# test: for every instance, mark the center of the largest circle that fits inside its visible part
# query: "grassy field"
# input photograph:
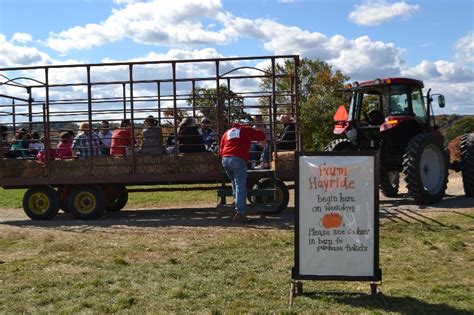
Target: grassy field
(12, 199)
(427, 268)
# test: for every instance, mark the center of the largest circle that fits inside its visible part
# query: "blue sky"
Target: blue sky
(429, 40)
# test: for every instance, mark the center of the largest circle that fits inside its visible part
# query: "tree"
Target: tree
(460, 127)
(319, 98)
(205, 100)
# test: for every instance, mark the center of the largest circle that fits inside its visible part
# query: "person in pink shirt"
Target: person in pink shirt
(64, 148)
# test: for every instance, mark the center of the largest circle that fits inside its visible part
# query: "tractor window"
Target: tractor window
(418, 105)
(370, 102)
(399, 103)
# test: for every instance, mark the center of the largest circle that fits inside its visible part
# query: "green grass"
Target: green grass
(12, 198)
(427, 268)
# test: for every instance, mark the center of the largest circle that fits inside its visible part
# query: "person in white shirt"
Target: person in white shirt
(105, 136)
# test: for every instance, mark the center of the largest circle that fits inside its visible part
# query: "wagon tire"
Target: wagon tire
(425, 165)
(282, 194)
(467, 163)
(116, 198)
(87, 202)
(41, 203)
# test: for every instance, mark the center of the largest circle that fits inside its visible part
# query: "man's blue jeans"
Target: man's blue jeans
(236, 169)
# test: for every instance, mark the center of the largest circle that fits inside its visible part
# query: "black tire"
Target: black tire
(116, 197)
(281, 193)
(467, 163)
(425, 166)
(87, 202)
(41, 203)
(340, 145)
(389, 183)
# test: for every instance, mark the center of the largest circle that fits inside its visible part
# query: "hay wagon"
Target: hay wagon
(54, 99)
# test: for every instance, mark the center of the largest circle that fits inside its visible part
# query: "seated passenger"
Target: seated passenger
(16, 149)
(41, 156)
(35, 145)
(152, 137)
(105, 136)
(208, 136)
(121, 138)
(64, 148)
(189, 138)
(80, 145)
(287, 138)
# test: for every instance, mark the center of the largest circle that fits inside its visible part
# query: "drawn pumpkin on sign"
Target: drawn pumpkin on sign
(331, 220)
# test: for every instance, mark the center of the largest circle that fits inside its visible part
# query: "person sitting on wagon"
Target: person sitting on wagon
(208, 135)
(35, 144)
(41, 156)
(19, 145)
(189, 138)
(80, 145)
(64, 148)
(152, 137)
(122, 138)
(105, 136)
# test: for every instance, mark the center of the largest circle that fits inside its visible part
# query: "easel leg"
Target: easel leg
(296, 288)
(375, 290)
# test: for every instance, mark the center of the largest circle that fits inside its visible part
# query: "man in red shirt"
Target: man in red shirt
(121, 138)
(234, 149)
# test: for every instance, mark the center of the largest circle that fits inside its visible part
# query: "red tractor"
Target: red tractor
(392, 116)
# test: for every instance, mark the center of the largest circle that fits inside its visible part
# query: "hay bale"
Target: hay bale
(19, 168)
(284, 162)
(154, 164)
(198, 163)
(69, 168)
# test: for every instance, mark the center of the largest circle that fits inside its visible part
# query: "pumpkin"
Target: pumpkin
(332, 220)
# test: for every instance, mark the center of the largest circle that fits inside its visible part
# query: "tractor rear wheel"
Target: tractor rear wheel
(425, 166)
(467, 163)
(389, 182)
(340, 145)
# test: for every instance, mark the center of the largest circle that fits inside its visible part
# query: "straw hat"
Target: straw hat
(84, 126)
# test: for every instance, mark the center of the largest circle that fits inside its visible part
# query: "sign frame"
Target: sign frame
(376, 271)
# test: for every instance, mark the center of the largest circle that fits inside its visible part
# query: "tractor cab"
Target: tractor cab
(389, 110)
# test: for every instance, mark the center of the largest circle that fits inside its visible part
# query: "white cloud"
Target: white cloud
(464, 49)
(22, 38)
(159, 22)
(12, 55)
(372, 13)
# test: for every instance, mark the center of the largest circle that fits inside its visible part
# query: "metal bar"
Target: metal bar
(132, 116)
(158, 93)
(124, 93)
(147, 62)
(89, 119)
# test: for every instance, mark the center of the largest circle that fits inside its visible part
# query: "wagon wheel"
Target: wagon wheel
(116, 197)
(41, 203)
(87, 202)
(282, 194)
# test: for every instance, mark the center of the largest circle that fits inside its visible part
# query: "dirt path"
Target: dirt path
(210, 218)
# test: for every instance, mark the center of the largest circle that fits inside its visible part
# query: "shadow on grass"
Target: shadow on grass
(156, 218)
(398, 304)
